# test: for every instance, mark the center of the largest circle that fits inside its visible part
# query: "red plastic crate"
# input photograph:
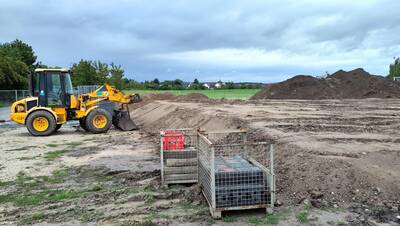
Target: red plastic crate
(174, 140)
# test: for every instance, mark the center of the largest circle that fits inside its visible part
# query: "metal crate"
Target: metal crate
(179, 166)
(235, 174)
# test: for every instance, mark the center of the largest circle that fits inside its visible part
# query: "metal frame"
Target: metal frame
(218, 143)
(183, 170)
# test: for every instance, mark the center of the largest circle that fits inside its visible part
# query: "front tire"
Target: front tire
(41, 123)
(98, 121)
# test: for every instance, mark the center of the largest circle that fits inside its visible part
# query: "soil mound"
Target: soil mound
(192, 97)
(161, 96)
(355, 84)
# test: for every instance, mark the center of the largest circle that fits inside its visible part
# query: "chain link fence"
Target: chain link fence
(7, 97)
(79, 90)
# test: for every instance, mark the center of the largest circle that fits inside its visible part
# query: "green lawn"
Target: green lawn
(243, 94)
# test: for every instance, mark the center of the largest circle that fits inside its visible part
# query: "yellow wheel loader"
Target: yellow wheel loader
(52, 103)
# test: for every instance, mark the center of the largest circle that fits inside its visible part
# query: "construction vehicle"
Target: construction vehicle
(52, 103)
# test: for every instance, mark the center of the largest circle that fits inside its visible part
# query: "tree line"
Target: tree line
(18, 60)
(394, 69)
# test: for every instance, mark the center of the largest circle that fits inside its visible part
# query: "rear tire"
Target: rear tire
(58, 127)
(82, 123)
(41, 123)
(98, 121)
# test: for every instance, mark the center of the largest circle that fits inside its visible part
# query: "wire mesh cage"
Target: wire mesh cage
(178, 156)
(235, 174)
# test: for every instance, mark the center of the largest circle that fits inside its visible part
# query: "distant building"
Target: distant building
(219, 84)
(396, 79)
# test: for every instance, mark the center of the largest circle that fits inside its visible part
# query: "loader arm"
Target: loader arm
(108, 92)
(121, 117)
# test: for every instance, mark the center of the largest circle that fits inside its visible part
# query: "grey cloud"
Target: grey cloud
(131, 33)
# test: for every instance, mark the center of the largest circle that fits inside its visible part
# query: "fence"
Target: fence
(235, 174)
(178, 166)
(9, 96)
(79, 90)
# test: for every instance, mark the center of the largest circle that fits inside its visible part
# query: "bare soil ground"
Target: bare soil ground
(340, 153)
(337, 164)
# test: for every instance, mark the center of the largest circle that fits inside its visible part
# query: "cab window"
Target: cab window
(54, 89)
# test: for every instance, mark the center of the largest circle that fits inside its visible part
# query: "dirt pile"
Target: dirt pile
(355, 84)
(192, 97)
(161, 96)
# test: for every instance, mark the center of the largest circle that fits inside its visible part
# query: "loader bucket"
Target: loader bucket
(123, 121)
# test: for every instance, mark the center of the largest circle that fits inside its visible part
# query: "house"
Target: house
(396, 79)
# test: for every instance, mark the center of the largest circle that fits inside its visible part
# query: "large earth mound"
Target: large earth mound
(355, 84)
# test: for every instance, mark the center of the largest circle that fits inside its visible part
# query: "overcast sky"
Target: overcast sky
(262, 41)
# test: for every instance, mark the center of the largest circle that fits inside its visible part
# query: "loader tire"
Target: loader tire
(82, 123)
(58, 127)
(98, 121)
(41, 123)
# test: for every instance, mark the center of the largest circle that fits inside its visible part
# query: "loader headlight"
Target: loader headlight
(20, 108)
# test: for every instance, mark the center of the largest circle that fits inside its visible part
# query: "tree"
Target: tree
(196, 85)
(229, 85)
(394, 69)
(16, 61)
(13, 74)
(84, 73)
(19, 51)
(116, 76)
(177, 84)
(102, 72)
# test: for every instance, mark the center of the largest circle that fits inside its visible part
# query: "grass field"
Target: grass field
(243, 94)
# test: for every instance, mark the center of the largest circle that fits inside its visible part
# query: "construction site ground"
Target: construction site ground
(337, 163)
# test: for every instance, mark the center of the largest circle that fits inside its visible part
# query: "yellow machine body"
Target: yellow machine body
(40, 117)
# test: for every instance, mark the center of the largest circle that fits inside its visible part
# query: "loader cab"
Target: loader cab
(53, 87)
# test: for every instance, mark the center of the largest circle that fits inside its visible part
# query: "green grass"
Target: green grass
(243, 94)
(341, 223)
(185, 205)
(58, 176)
(302, 217)
(52, 145)
(38, 198)
(272, 219)
(38, 216)
(74, 144)
(54, 154)
(230, 219)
